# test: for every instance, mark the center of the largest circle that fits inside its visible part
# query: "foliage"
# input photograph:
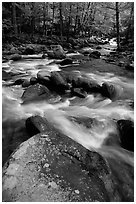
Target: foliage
(77, 18)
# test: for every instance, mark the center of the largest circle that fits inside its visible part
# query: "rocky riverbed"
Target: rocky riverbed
(68, 129)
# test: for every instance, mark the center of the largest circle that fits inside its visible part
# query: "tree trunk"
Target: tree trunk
(44, 18)
(117, 25)
(33, 19)
(61, 20)
(14, 19)
(69, 20)
(76, 19)
(53, 9)
(129, 23)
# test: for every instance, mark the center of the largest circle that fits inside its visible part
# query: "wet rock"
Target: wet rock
(19, 81)
(73, 174)
(79, 92)
(15, 57)
(58, 82)
(50, 54)
(66, 61)
(95, 54)
(33, 80)
(98, 47)
(35, 125)
(26, 83)
(29, 51)
(43, 77)
(126, 129)
(35, 92)
(86, 84)
(56, 52)
(110, 91)
(129, 67)
(6, 75)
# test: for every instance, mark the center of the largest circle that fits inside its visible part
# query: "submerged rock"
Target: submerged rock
(126, 129)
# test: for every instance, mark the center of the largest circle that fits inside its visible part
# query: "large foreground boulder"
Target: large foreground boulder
(52, 167)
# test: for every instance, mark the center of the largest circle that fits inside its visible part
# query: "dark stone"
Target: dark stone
(108, 90)
(33, 80)
(26, 83)
(35, 92)
(98, 47)
(51, 54)
(43, 77)
(29, 51)
(15, 57)
(95, 54)
(19, 81)
(96, 178)
(87, 85)
(126, 129)
(66, 61)
(6, 75)
(35, 125)
(79, 92)
(58, 82)
(129, 67)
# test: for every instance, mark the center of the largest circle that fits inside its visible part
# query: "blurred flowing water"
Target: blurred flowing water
(104, 112)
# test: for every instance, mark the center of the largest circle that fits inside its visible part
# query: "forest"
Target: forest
(67, 101)
(35, 21)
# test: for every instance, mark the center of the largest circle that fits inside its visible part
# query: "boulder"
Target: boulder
(15, 57)
(58, 52)
(129, 67)
(29, 51)
(126, 130)
(51, 54)
(95, 54)
(43, 77)
(86, 84)
(111, 91)
(79, 92)
(19, 81)
(35, 125)
(26, 83)
(98, 48)
(66, 61)
(51, 167)
(33, 80)
(35, 92)
(58, 82)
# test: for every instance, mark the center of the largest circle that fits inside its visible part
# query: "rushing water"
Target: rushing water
(103, 111)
